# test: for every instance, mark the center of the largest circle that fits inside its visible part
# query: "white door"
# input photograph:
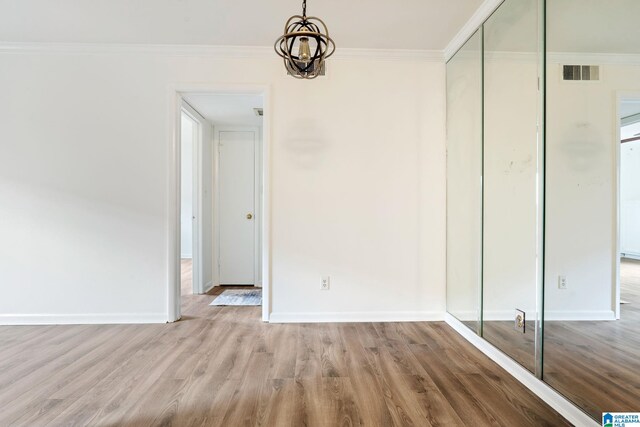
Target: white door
(237, 207)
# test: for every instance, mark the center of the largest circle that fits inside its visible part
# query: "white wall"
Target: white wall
(188, 130)
(84, 221)
(581, 178)
(511, 165)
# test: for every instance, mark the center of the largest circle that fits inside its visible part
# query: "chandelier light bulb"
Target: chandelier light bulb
(304, 53)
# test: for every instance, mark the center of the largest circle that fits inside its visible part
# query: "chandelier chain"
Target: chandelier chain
(304, 8)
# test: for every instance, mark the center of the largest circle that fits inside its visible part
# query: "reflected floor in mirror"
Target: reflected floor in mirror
(473, 325)
(596, 364)
(519, 346)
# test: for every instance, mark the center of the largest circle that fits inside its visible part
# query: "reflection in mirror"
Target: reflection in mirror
(511, 162)
(464, 172)
(592, 272)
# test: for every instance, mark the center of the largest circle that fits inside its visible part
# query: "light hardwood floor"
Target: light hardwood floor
(222, 366)
(597, 364)
(186, 271)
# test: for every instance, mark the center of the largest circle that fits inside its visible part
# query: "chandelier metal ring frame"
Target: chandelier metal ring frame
(300, 29)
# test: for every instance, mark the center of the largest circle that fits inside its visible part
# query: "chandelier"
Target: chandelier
(305, 45)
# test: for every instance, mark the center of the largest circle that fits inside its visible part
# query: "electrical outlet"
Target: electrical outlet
(520, 321)
(324, 284)
(562, 282)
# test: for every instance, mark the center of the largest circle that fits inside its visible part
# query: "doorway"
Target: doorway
(196, 213)
(629, 208)
(189, 139)
(229, 182)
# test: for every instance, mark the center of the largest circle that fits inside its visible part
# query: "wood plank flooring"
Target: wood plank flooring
(222, 366)
(186, 275)
(520, 347)
(597, 364)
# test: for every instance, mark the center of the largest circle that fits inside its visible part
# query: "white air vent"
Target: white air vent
(580, 72)
(259, 111)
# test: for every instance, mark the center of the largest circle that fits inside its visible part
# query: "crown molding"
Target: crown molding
(390, 54)
(135, 49)
(565, 58)
(578, 58)
(524, 57)
(265, 52)
(471, 26)
(222, 52)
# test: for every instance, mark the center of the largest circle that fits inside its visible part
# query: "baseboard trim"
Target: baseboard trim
(551, 316)
(208, 287)
(81, 319)
(554, 399)
(556, 316)
(373, 316)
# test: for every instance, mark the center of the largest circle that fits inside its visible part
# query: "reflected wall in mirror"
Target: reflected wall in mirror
(592, 272)
(464, 173)
(511, 164)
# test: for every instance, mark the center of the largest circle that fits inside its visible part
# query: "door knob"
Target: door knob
(249, 216)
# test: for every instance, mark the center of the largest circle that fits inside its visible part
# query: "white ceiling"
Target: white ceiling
(227, 110)
(600, 27)
(382, 24)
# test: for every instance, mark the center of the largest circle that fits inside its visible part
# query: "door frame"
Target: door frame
(196, 237)
(257, 202)
(621, 96)
(174, 109)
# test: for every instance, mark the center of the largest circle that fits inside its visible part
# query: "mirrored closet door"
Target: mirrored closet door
(493, 178)
(543, 194)
(511, 165)
(592, 239)
(464, 182)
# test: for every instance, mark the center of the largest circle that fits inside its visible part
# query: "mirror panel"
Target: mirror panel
(511, 165)
(592, 272)
(464, 180)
